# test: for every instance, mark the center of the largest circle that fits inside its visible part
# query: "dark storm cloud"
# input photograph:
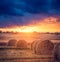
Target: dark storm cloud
(8, 7)
(13, 11)
(19, 7)
(44, 6)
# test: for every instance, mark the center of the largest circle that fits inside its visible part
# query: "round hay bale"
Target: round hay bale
(22, 44)
(12, 42)
(57, 53)
(44, 47)
(33, 45)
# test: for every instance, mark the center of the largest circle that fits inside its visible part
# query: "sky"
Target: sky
(29, 12)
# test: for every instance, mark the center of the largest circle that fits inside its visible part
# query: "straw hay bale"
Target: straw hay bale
(22, 44)
(12, 42)
(44, 47)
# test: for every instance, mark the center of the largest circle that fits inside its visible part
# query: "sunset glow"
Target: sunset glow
(47, 25)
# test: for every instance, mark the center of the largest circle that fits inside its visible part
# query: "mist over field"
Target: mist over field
(29, 37)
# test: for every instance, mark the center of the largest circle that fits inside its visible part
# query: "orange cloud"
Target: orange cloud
(50, 24)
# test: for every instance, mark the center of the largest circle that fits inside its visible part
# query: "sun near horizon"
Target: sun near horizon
(46, 25)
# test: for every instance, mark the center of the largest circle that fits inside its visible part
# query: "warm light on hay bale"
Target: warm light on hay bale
(22, 44)
(12, 42)
(44, 47)
(33, 45)
(57, 53)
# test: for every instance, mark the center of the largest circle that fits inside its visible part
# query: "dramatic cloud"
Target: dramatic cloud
(19, 7)
(13, 12)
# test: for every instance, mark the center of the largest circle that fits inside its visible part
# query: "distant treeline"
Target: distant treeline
(57, 33)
